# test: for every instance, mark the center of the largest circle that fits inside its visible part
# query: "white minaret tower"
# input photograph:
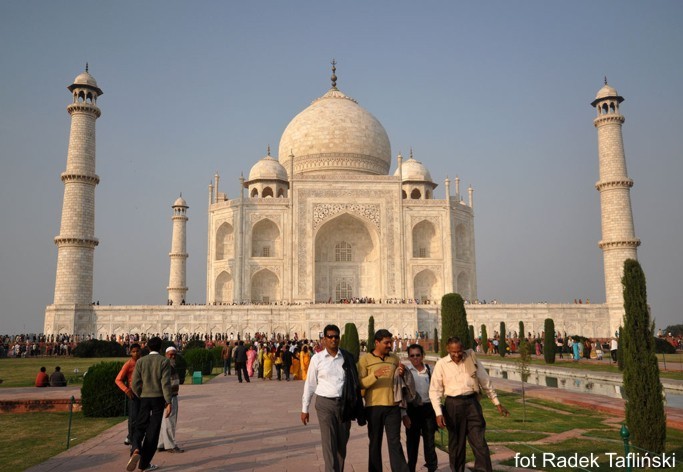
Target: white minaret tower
(619, 241)
(76, 241)
(177, 287)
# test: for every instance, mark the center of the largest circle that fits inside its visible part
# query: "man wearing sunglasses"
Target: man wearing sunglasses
(459, 376)
(333, 378)
(420, 419)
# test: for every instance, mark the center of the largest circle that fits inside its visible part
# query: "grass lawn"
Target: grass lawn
(22, 372)
(605, 366)
(544, 419)
(31, 438)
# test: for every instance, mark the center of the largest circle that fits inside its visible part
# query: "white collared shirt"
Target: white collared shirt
(325, 377)
(421, 381)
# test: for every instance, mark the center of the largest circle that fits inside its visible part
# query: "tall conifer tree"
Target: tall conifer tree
(549, 341)
(454, 321)
(484, 339)
(644, 402)
(502, 342)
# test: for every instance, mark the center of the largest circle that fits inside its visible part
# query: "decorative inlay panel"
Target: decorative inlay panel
(324, 211)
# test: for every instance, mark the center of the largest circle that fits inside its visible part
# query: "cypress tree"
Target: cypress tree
(644, 402)
(473, 339)
(453, 321)
(352, 342)
(502, 343)
(620, 351)
(549, 341)
(484, 339)
(371, 333)
(436, 341)
(521, 330)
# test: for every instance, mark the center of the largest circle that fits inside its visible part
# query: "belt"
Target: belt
(463, 397)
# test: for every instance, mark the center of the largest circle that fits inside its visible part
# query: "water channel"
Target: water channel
(588, 385)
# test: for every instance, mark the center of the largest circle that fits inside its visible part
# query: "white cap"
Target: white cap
(171, 349)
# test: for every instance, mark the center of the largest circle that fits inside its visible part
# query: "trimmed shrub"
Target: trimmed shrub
(484, 339)
(473, 339)
(352, 341)
(436, 341)
(502, 343)
(181, 367)
(453, 321)
(645, 415)
(217, 352)
(522, 334)
(549, 347)
(371, 332)
(199, 359)
(662, 346)
(100, 397)
(97, 348)
(194, 344)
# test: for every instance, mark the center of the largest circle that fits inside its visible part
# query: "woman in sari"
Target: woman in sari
(251, 357)
(305, 359)
(268, 358)
(295, 370)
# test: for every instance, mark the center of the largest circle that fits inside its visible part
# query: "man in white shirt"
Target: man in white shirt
(420, 418)
(326, 379)
(459, 377)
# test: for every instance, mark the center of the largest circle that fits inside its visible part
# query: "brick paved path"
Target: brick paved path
(227, 426)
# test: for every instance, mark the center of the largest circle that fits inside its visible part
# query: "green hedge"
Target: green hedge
(97, 348)
(194, 344)
(199, 359)
(100, 397)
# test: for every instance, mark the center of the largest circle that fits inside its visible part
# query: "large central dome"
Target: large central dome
(335, 135)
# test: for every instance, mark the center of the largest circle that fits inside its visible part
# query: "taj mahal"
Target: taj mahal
(325, 233)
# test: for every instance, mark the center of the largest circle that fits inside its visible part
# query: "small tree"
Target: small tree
(522, 335)
(549, 341)
(645, 415)
(454, 321)
(473, 339)
(620, 351)
(352, 341)
(436, 341)
(371, 332)
(523, 364)
(484, 339)
(502, 343)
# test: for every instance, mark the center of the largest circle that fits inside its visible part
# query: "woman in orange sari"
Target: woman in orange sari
(305, 359)
(295, 370)
(268, 358)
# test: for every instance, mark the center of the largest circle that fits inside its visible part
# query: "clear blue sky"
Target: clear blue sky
(497, 93)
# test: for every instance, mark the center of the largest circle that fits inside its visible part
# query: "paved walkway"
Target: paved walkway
(227, 426)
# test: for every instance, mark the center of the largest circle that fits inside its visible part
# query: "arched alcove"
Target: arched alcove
(224, 242)
(223, 288)
(425, 242)
(265, 239)
(265, 287)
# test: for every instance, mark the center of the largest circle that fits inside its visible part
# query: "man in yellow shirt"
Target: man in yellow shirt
(458, 377)
(376, 371)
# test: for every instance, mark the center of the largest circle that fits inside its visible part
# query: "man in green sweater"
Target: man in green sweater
(152, 384)
(376, 371)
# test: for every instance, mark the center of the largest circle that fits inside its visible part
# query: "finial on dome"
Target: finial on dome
(605, 80)
(268, 150)
(86, 67)
(334, 76)
(411, 152)
(181, 194)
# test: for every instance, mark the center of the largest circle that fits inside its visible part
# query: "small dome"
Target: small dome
(180, 202)
(606, 91)
(412, 170)
(85, 79)
(268, 168)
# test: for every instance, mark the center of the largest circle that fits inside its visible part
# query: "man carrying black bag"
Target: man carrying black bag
(332, 376)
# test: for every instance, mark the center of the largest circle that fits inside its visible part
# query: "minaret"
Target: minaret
(76, 241)
(177, 281)
(619, 241)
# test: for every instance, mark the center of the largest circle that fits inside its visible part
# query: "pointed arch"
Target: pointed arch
(415, 194)
(424, 285)
(223, 288)
(463, 285)
(265, 239)
(224, 241)
(425, 241)
(267, 192)
(265, 287)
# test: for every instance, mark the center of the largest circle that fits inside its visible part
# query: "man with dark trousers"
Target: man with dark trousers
(241, 362)
(459, 376)
(152, 384)
(420, 419)
(376, 372)
(287, 358)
